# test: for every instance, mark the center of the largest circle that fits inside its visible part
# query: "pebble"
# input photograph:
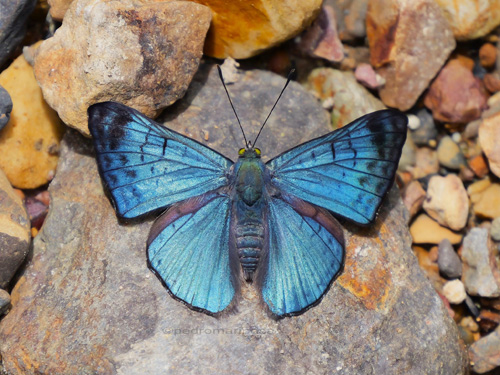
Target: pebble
(13, 18)
(492, 81)
(426, 162)
(426, 132)
(479, 166)
(37, 211)
(58, 8)
(428, 263)
(449, 154)
(455, 95)
(408, 156)
(29, 144)
(487, 55)
(407, 49)
(242, 29)
(85, 62)
(484, 354)
(366, 75)
(454, 291)
(413, 122)
(471, 19)
(351, 99)
(449, 262)
(14, 231)
(479, 272)
(489, 139)
(425, 230)
(413, 197)
(4, 301)
(350, 17)
(495, 229)
(485, 202)
(321, 38)
(5, 107)
(447, 201)
(471, 130)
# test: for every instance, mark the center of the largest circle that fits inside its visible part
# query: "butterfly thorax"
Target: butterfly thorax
(248, 208)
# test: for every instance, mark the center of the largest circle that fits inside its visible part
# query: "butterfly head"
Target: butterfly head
(249, 153)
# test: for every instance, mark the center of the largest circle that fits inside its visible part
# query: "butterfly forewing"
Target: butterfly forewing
(348, 171)
(147, 166)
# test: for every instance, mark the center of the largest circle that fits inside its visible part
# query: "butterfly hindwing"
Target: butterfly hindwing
(147, 166)
(347, 171)
(188, 248)
(305, 252)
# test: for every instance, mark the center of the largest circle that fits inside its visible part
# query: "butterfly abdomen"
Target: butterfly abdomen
(249, 243)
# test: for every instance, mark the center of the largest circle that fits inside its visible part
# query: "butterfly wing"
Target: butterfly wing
(305, 252)
(188, 249)
(347, 171)
(147, 166)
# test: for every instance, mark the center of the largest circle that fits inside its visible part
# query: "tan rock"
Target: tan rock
(58, 8)
(142, 55)
(489, 139)
(14, 231)
(449, 154)
(351, 100)
(447, 201)
(471, 19)
(455, 95)
(486, 203)
(409, 42)
(29, 143)
(413, 197)
(454, 291)
(427, 162)
(242, 29)
(425, 230)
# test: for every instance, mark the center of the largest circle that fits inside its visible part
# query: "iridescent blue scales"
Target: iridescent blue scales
(226, 223)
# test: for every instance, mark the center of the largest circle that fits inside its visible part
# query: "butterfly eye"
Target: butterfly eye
(241, 151)
(257, 151)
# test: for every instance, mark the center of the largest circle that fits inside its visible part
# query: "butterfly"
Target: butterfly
(229, 222)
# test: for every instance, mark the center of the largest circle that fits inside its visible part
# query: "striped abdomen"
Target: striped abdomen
(249, 242)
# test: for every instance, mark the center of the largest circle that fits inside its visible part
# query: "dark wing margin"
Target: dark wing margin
(347, 171)
(147, 166)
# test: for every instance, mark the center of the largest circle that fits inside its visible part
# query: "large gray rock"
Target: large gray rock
(13, 17)
(87, 303)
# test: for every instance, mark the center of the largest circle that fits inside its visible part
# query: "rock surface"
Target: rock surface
(58, 8)
(455, 95)
(449, 154)
(409, 42)
(350, 99)
(447, 201)
(471, 19)
(4, 301)
(484, 354)
(100, 310)
(14, 231)
(29, 143)
(495, 229)
(13, 17)
(85, 62)
(350, 15)
(5, 107)
(489, 138)
(242, 29)
(480, 275)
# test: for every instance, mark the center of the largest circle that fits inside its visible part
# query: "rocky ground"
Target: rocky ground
(76, 296)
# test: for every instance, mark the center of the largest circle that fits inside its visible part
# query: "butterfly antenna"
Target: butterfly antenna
(290, 75)
(232, 106)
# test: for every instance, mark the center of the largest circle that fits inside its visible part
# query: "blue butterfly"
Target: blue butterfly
(269, 223)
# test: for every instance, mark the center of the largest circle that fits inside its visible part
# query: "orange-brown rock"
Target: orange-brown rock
(455, 96)
(58, 8)
(409, 42)
(242, 29)
(134, 52)
(488, 55)
(425, 230)
(29, 143)
(471, 19)
(479, 166)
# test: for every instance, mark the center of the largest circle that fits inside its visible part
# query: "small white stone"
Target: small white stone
(454, 291)
(413, 122)
(457, 137)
